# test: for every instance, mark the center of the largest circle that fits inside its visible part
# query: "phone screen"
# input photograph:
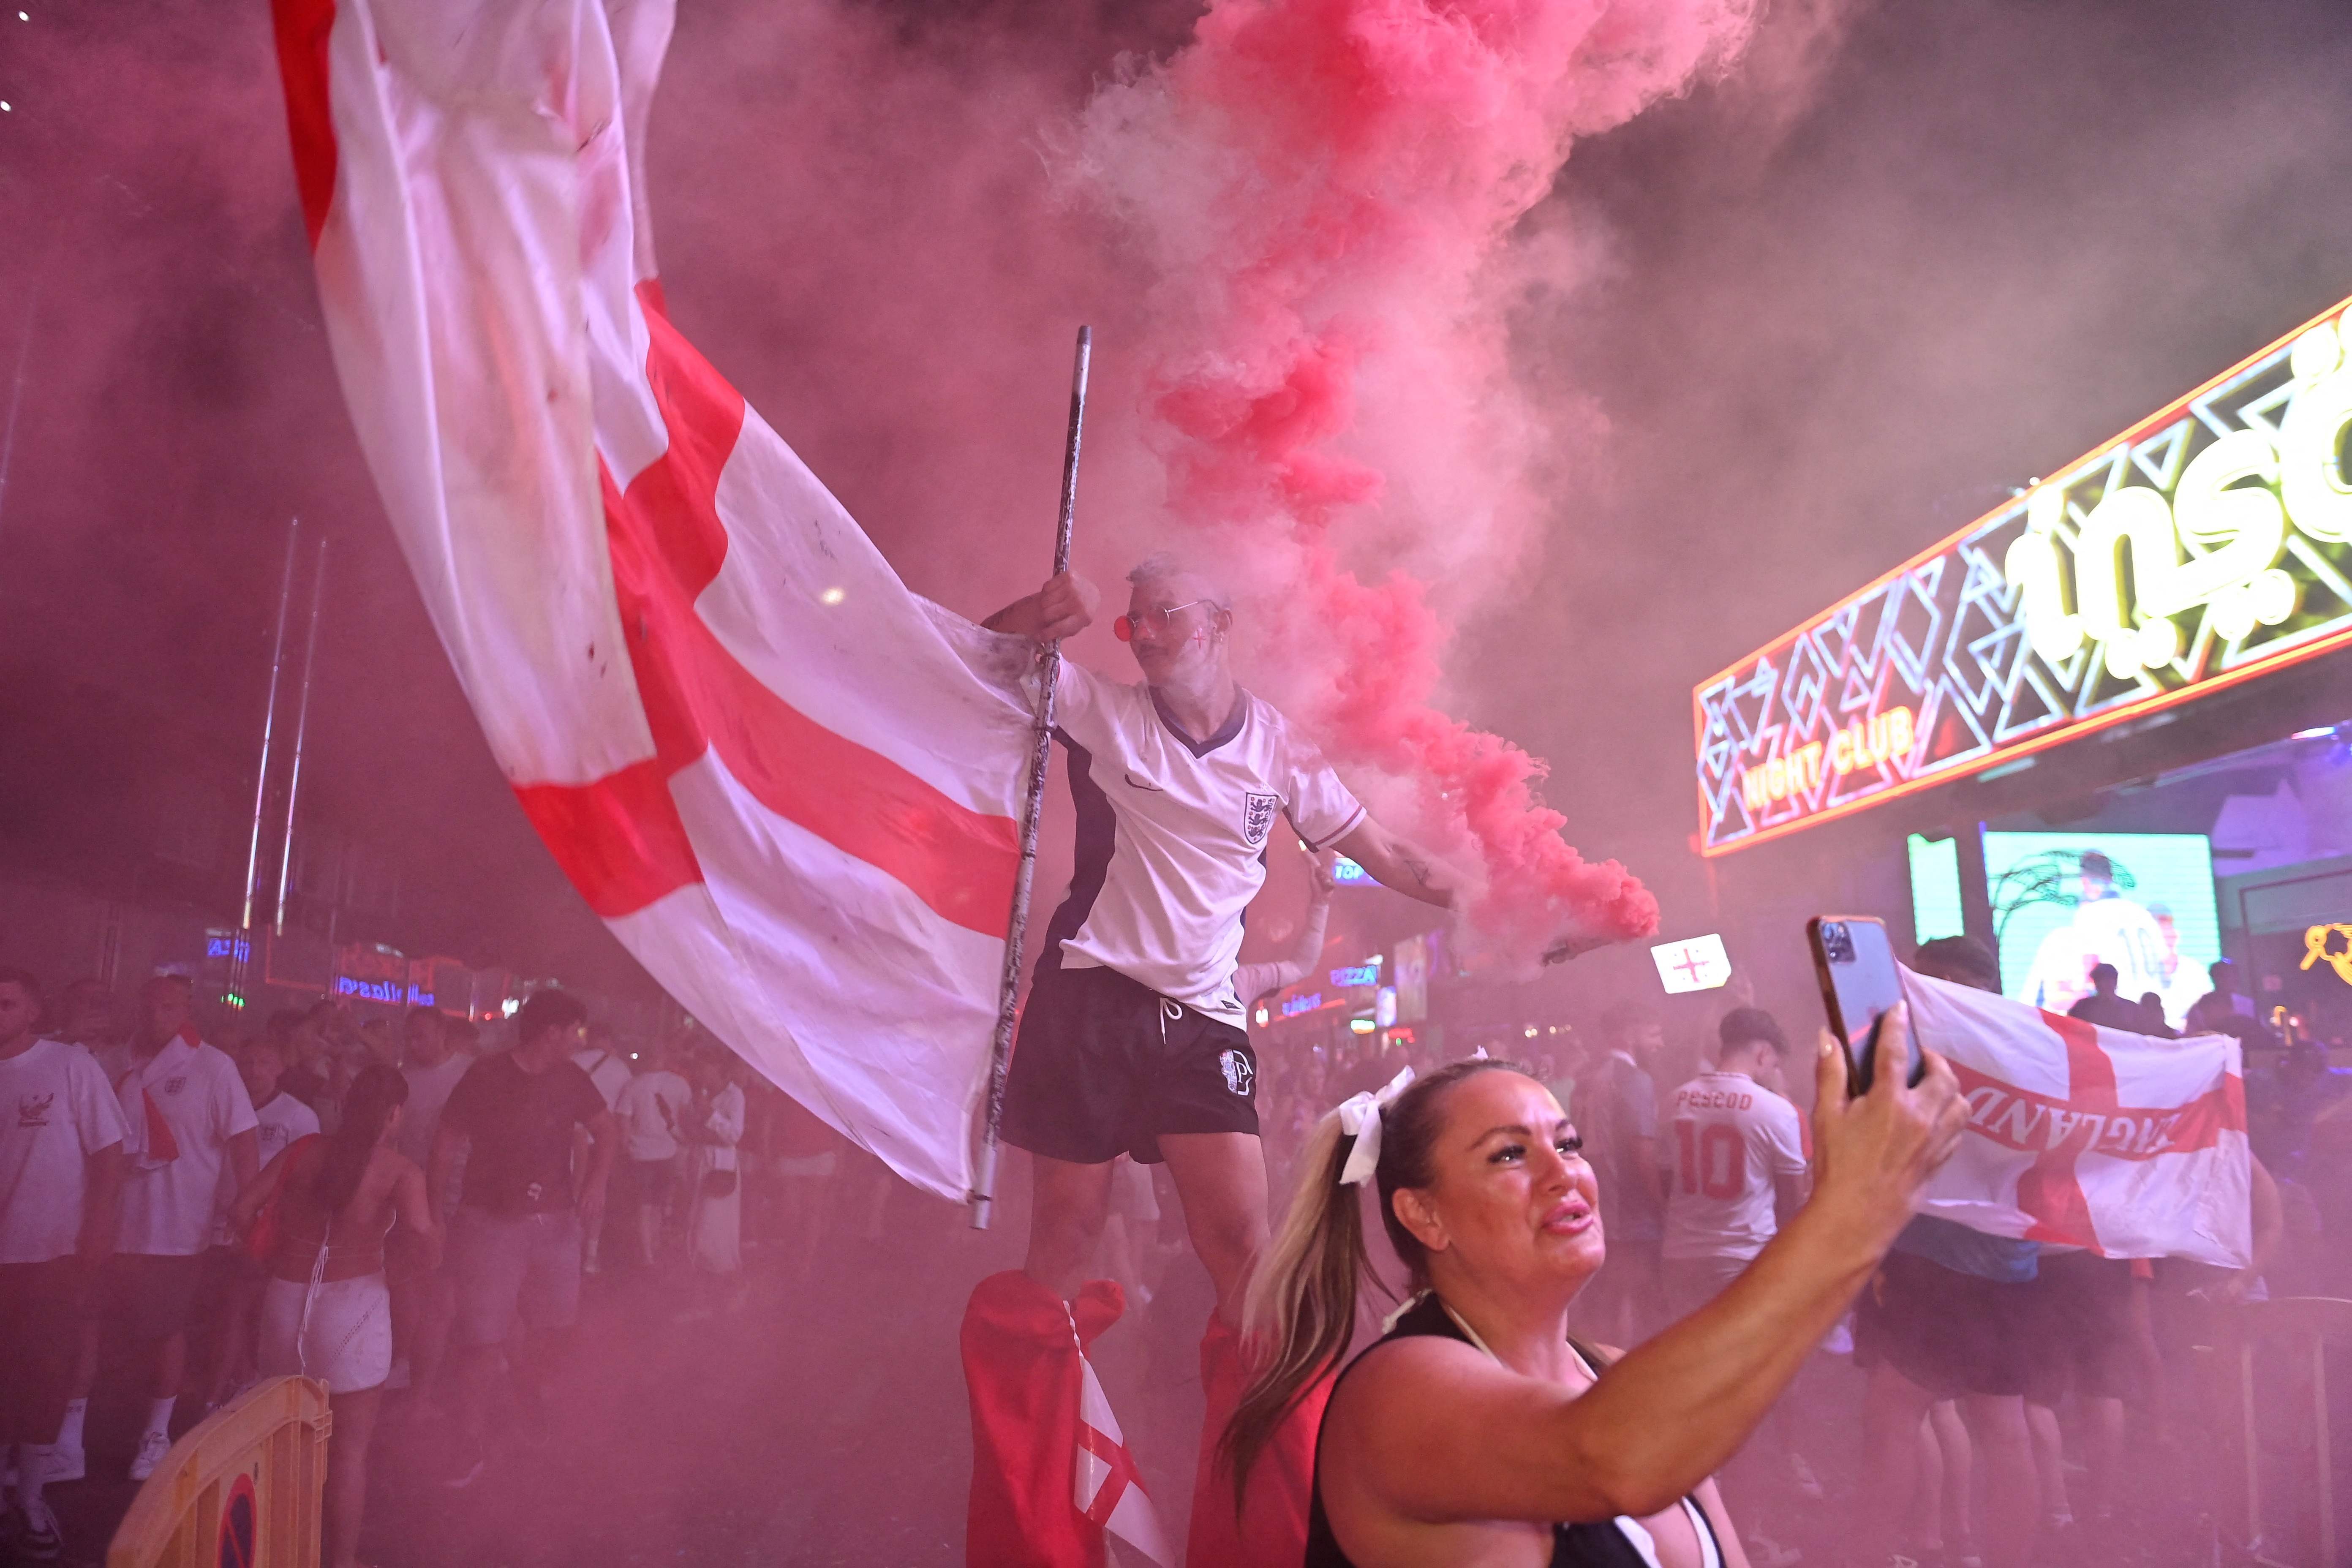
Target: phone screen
(1854, 961)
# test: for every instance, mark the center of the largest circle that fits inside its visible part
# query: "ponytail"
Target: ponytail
(1301, 1305)
(1300, 1311)
(375, 1093)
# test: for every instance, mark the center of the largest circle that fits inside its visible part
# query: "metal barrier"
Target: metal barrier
(242, 1490)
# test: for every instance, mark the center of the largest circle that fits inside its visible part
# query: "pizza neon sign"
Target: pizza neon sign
(2207, 544)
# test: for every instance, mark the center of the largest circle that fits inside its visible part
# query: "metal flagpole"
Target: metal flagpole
(270, 715)
(302, 727)
(984, 1182)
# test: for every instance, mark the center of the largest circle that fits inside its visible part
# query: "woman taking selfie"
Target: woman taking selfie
(1476, 1432)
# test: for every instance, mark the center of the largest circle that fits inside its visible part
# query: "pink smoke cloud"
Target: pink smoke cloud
(1321, 193)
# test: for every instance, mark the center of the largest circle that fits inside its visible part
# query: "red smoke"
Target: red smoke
(1321, 191)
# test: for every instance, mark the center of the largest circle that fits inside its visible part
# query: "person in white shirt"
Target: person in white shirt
(1132, 1038)
(714, 1130)
(432, 1063)
(188, 1120)
(602, 1059)
(1734, 1159)
(234, 1288)
(652, 1107)
(608, 1069)
(1733, 1154)
(2108, 928)
(61, 1174)
(1251, 981)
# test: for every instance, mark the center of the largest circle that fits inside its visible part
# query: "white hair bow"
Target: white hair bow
(1359, 1117)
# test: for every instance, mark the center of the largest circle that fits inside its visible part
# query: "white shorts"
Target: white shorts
(347, 1343)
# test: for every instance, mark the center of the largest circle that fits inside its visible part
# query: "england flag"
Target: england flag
(788, 784)
(2082, 1136)
(1109, 1488)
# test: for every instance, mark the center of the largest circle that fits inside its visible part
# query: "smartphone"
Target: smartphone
(1854, 962)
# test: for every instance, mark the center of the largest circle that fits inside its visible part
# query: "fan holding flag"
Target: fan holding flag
(1133, 1039)
(664, 623)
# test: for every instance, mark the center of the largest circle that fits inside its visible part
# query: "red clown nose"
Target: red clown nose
(1125, 628)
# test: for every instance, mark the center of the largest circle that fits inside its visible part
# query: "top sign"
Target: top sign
(2208, 543)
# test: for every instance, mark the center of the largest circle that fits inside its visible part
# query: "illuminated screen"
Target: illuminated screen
(2141, 901)
(1935, 889)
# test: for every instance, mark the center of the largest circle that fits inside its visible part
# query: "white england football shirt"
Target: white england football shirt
(1726, 1138)
(1172, 833)
(55, 1110)
(175, 1174)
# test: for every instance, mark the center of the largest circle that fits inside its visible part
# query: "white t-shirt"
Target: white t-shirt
(608, 1072)
(650, 1108)
(428, 1091)
(280, 1124)
(168, 1196)
(1172, 833)
(2112, 930)
(55, 1110)
(1727, 1139)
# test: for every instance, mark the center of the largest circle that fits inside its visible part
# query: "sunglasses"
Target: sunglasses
(1159, 620)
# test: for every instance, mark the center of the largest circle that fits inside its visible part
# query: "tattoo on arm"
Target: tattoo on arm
(1418, 867)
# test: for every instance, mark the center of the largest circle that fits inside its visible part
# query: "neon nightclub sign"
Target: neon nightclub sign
(2207, 544)
(1357, 975)
(1293, 1006)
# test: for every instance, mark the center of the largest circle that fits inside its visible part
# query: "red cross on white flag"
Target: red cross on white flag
(1109, 1488)
(2084, 1136)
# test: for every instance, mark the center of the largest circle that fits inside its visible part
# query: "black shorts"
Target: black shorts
(653, 1182)
(2082, 1316)
(153, 1296)
(1948, 1333)
(1104, 1066)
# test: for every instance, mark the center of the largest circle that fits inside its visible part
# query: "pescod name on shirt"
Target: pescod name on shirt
(1688, 1097)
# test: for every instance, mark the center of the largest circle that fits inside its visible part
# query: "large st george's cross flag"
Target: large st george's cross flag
(788, 784)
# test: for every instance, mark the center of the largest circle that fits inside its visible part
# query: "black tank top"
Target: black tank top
(1572, 1545)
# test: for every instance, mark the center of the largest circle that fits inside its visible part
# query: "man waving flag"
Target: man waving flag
(666, 627)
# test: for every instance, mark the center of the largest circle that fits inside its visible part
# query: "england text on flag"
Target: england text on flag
(2083, 1136)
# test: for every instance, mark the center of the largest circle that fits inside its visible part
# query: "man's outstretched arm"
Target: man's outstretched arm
(1064, 607)
(1394, 863)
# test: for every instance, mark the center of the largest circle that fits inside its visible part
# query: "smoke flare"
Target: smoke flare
(1320, 191)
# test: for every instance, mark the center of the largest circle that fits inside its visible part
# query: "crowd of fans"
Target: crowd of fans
(405, 1209)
